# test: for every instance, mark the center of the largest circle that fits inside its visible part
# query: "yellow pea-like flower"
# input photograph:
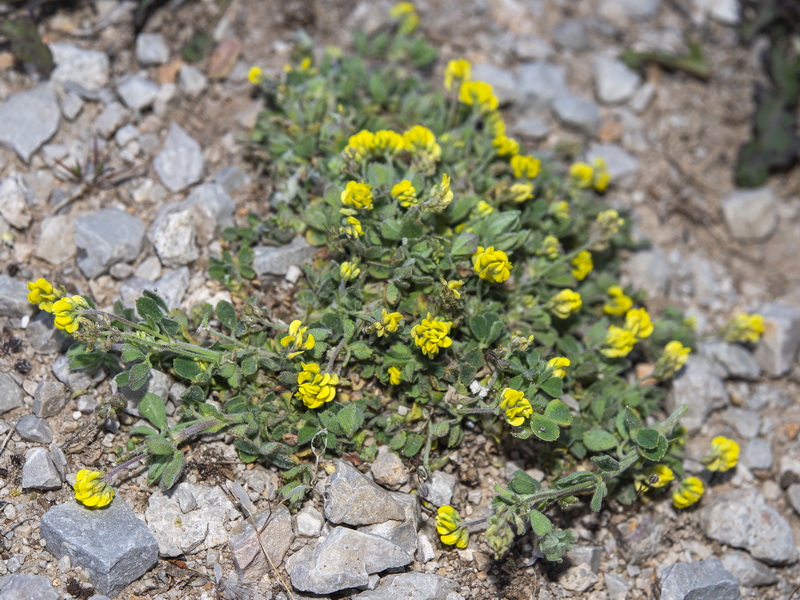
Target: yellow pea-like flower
(315, 388)
(92, 490)
(432, 335)
(690, 491)
(516, 405)
(491, 265)
(724, 455)
(450, 527)
(559, 365)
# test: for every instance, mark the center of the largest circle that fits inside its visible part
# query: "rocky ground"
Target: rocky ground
(166, 133)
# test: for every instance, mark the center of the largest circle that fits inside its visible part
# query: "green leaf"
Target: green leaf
(138, 375)
(398, 440)
(141, 430)
(159, 445)
(391, 230)
(148, 309)
(540, 524)
(522, 483)
(226, 314)
(414, 442)
(553, 387)
(606, 464)
(330, 422)
(392, 293)
(465, 244)
(131, 353)
(249, 365)
(173, 470)
(544, 428)
(558, 412)
(186, 368)
(441, 429)
(658, 452)
(600, 492)
(646, 438)
(351, 417)
(599, 440)
(360, 350)
(151, 407)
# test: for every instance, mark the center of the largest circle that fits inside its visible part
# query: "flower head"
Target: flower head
(92, 490)
(441, 195)
(609, 222)
(394, 375)
(348, 271)
(601, 177)
(581, 173)
(450, 528)
(43, 294)
(525, 166)
(389, 323)
(690, 491)
(618, 303)
(420, 141)
(297, 339)
(560, 210)
(559, 365)
(407, 14)
(741, 328)
(724, 455)
(357, 195)
(619, 342)
(550, 248)
(491, 265)
(405, 193)
(482, 209)
(68, 312)
(520, 192)
(352, 228)
(506, 146)
(479, 94)
(454, 288)
(361, 145)
(674, 357)
(564, 303)
(655, 477)
(255, 75)
(431, 335)
(388, 142)
(582, 265)
(315, 389)
(457, 72)
(638, 322)
(516, 405)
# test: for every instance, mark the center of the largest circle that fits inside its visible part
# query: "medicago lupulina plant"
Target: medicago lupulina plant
(465, 285)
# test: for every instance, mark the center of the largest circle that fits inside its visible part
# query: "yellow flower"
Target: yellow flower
(361, 145)
(742, 328)
(619, 342)
(409, 19)
(450, 527)
(491, 265)
(43, 294)
(297, 339)
(638, 322)
(655, 477)
(255, 75)
(455, 286)
(689, 492)
(520, 192)
(358, 195)
(315, 389)
(581, 173)
(609, 222)
(92, 490)
(482, 209)
(601, 177)
(564, 303)
(67, 312)
(421, 141)
(559, 365)
(441, 195)
(389, 322)
(394, 375)
(582, 265)
(405, 193)
(724, 455)
(432, 335)
(674, 357)
(457, 71)
(618, 303)
(496, 124)
(352, 229)
(478, 93)
(551, 247)
(388, 142)
(349, 270)
(516, 405)
(525, 166)
(505, 145)
(560, 210)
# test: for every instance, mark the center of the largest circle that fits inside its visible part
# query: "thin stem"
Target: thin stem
(124, 465)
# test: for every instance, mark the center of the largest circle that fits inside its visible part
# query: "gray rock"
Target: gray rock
(440, 488)
(353, 499)
(38, 185)
(43, 335)
(344, 559)
(50, 398)
(638, 10)
(578, 113)
(39, 472)
(616, 586)
(777, 349)
(532, 126)
(502, 80)
(388, 469)
(138, 92)
(174, 233)
(309, 522)
(56, 241)
(641, 538)
(180, 162)
(232, 179)
(125, 135)
(112, 118)
(191, 80)
(419, 586)
(151, 49)
(10, 393)
(698, 387)
(743, 519)
(14, 297)
(746, 422)
(532, 47)
(87, 68)
(29, 587)
(699, 580)
(589, 555)
(402, 533)
(748, 570)
(171, 287)
(271, 260)
(276, 533)
(71, 105)
(650, 270)
(788, 470)
(578, 578)
(757, 454)
(768, 394)
(149, 269)
(751, 215)
(572, 35)
(112, 544)
(619, 162)
(614, 81)
(793, 495)
(14, 203)
(737, 360)
(33, 429)
(106, 237)
(540, 83)
(213, 209)
(29, 119)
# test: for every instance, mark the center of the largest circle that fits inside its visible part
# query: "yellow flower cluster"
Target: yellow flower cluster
(255, 75)
(92, 490)
(43, 294)
(621, 340)
(506, 146)
(724, 455)
(441, 195)
(609, 222)
(405, 193)
(565, 303)
(68, 311)
(491, 265)
(454, 286)
(431, 335)
(689, 492)
(406, 13)
(457, 72)
(674, 357)
(742, 328)
(482, 209)
(520, 192)
(595, 175)
(348, 271)
(618, 303)
(560, 210)
(389, 323)
(655, 477)
(550, 248)
(450, 527)
(559, 365)
(517, 406)
(352, 227)
(298, 339)
(357, 195)
(420, 142)
(366, 144)
(394, 375)
(582, 265)
(525, 166)
(315, 389)
(479, 94)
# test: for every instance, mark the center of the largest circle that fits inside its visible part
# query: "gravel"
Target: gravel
(29, 119)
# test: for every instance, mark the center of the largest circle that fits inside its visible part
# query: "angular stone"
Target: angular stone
(112, 544)
(616, 586)
(540, 82)
(699, 580)
(14, 203)
(171, 287)
(309, 522)
(416, 586)
(173, 234)
(751, 215)
(87, 68)
(71, 105)
(138, 92)
(614, 80)
(619, 162)
(757, 454)
(700, 388)
(531, 125)
(737, 360)
(623, 10)
(213, 209)
(650, 271)
(276, 533)
(388, 469)
(743, 519)
(29, 119)
(10, 393)
(43, 335)
(56, 241)
(33, 429)
(50, 398)
(180, 162)
(578, 578)
(440, 488)
(746, 422)
(793, 494)
(151, 49)
(572, 35)
(29, 587)
(192, 80)
(353, 499)
(532, 47)
(106, 237)
(777, 349)
(39, 472)
(502, 81)
(578, 113)
(748, 570)
(111, 119)
(641, 538)
(344, 559)
(271, 260)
